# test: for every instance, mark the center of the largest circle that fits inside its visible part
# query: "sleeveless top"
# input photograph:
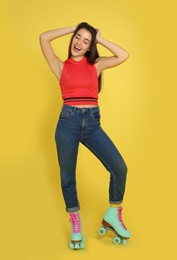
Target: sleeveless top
(79, 83)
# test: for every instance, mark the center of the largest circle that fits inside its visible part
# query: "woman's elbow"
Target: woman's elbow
(126, 56)
(42, 36)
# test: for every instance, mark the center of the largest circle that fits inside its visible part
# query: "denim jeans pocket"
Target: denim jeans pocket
(96, 115)
(66, 114)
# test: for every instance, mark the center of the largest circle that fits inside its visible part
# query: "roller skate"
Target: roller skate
(113, 221)
(77, 240)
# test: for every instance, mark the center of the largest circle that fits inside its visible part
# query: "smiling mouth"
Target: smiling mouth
(76, 48)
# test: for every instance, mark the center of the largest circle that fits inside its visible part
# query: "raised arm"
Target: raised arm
(120, 55)
(52, 59)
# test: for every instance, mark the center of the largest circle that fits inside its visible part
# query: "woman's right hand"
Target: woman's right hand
(98, 35)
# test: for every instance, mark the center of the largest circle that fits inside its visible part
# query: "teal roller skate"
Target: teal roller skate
(77, 240)
(113, 221)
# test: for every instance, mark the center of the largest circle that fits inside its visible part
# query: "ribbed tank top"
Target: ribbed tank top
(79, 83)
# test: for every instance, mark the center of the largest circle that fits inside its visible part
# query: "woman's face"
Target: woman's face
(80, 44)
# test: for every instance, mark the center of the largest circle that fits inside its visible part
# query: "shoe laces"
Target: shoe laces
(119, 216)
(75, 222)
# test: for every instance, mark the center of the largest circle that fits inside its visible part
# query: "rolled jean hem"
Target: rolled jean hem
(70, 210)
(116, 202)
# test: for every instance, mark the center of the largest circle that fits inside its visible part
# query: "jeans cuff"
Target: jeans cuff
(116, 202)
(70, 210)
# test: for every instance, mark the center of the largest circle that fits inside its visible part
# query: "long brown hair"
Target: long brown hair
(92, 54)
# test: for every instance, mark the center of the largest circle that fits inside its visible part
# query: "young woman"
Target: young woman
(79, 122)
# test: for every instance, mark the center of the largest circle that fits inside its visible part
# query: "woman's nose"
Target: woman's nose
(79, 41)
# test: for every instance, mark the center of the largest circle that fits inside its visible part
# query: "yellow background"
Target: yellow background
(138, 106)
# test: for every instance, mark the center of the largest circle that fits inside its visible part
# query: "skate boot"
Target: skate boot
(77, 240)
(113, 221)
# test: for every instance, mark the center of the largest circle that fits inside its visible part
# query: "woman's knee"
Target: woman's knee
(122, 169)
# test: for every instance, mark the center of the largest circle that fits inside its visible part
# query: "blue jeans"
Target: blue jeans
(82, 125)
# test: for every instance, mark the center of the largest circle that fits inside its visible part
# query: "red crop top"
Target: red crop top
(79, 83)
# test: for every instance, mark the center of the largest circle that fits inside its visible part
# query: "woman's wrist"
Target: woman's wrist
(73, 28)
(100, 40)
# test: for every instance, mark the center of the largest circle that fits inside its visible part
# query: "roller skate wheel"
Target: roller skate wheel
(102, 231)
(82, 244)
(117, 240)
(124, 241)
(72, 245)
